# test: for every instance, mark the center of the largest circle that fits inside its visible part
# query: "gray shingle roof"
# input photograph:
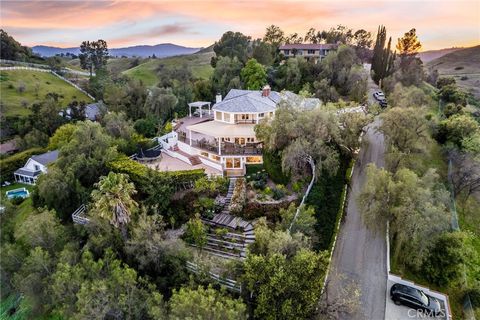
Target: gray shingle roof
(92, 111)
(248, 101)
(27, 173)
(46, 158)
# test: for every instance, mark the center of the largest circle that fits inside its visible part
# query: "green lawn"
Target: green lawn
(37, 85)
(147, 71)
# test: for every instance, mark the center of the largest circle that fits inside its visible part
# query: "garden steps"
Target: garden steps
(221, 253)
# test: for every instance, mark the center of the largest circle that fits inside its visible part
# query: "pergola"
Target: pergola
(198, 104)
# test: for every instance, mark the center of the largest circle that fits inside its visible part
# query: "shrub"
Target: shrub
(254, 210)
(278, 193)
(16, 200)
(297, 186)
(239, 196)
(12, 163)
(273, 165)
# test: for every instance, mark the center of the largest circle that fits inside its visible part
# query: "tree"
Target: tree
(205, 304)
(61, 136)
(303, 138)
(416, 208)
(465, 174)
(42, 230)
(447, 258)
(459, 127)
(114, 97)
(274, 36)
(117, 126)
(253, 75)
(409, 97)
(55, 63)
(325, 92)
(93, 55)
(160, 103)
(406, 134)
(12, 49)
(233, 44)
(304, 223)
(113, 200)
(382, 60)
(352, 124)
(285, 288)
(408, 47)
(196, 232)
(362, 40)
(263, 52)
(226, 75)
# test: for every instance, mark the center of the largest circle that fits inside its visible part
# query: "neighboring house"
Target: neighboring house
(92, 112)
(34, 167)
(228, 142)
(307, 50)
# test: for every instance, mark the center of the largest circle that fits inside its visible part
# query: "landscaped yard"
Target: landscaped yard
(21, 88)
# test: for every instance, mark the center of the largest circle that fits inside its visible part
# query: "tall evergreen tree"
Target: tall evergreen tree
(382, 61)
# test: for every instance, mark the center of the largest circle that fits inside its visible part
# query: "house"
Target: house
(315, 51)
(92, 112)
(34, 167)
(227, 140)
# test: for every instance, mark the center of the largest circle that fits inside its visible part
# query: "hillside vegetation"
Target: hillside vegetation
(463, 65)
(147, 71)
(21, 88)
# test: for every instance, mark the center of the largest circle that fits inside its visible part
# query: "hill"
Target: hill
(427, 56)
(160, 50)
(147, 71)
(37, 85)
(463, 65)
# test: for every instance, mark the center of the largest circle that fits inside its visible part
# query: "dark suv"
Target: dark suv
(414, 298)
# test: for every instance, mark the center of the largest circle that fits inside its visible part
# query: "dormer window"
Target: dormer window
(37, 167)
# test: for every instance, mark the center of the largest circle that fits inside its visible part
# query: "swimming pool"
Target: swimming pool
(17, 193)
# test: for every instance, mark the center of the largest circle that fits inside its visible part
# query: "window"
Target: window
(287, 52)
(232, 163)
(37, 167)
(218, 116)
(254, 159)
(226, 117)
(261, 115)
(205, 154)
(311, 51)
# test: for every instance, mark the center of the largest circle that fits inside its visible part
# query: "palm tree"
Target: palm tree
(113, 200)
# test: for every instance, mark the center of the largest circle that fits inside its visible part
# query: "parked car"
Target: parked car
(379, 95)
(382, 103)
(414, 298)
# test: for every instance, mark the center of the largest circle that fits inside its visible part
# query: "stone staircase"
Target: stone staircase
(232, 245)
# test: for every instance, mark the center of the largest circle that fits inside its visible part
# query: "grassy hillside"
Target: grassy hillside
(427, 56)
(463, 65)
(199, 64)
(37, 85)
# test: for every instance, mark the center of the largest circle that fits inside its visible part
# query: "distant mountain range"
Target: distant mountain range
(160, 50)
(427, 56)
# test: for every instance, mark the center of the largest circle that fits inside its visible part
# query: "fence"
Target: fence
(78, 216)
(42, 66)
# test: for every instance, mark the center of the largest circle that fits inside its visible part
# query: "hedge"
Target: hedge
(326, 198)
(272, 161)
(140, 173)
(18, 160)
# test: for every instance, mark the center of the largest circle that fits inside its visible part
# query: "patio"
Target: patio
(169, 163)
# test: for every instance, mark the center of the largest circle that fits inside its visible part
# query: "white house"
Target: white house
(35, 166)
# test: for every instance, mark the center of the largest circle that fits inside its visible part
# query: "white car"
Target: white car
(379, 95)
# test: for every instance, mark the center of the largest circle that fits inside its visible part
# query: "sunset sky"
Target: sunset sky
(439, 23)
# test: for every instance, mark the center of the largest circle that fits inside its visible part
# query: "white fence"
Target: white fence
(79, 215)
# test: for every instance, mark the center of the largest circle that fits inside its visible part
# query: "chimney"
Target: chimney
(266, 91)
(218, 98)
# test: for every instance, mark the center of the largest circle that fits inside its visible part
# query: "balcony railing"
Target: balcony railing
(245, 121)
(226, 147)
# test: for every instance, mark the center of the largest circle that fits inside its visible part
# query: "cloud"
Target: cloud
(192, 21)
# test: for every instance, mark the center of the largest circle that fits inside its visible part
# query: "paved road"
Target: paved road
(360, 254)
